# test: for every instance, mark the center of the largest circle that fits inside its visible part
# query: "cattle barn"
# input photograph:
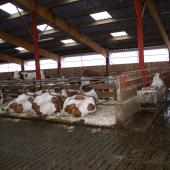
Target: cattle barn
(84, 84)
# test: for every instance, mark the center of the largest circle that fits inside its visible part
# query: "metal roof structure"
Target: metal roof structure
(77, 14)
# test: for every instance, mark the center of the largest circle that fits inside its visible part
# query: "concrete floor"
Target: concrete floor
(103, 117)
(29, 145)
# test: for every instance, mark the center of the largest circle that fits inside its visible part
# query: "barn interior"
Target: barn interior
(88, 80)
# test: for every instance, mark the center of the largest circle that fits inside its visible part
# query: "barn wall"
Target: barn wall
(112, 68)
(117, 69)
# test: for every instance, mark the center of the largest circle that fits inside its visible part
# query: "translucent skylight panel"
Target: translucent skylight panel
(20, 49)
(10, 8)
(101, 16)
(119, 34)
(44, 27)
(1, 41)
(68, 41)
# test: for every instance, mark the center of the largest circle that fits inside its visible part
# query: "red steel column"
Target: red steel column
(36, 47)
(138, 10)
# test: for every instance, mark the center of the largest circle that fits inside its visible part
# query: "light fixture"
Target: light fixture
(45, 39)
(1, 41)
(68, 41)
(44, 27)
(119, 34)
(20, 49)
(10, 8)
(101, 16)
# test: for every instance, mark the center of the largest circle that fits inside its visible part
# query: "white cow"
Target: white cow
(157, 82)
(27, 75)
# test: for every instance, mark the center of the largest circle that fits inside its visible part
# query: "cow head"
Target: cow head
(21, 75)
(58, 102)
(36, 108)
(73, 109)
(17, 108)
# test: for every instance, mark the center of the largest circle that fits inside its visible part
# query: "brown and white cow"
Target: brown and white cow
(79, 105)
(47, 104)
(23, 103)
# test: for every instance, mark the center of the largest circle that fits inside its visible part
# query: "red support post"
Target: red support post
(36, 47)
(138, 10)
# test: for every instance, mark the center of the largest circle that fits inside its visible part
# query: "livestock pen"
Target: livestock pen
(117, 100)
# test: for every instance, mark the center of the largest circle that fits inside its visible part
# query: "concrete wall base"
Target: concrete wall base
(125, 109)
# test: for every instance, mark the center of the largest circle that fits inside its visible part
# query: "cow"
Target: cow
(91, 73)
(157, 82)
(79, 106)
(47, 104)
(22, 75)
(23, 103)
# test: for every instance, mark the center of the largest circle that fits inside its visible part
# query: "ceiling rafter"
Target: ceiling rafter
(109, 7)
(108, 21)
(45, 13)
(51, 6)
(156, 16)
(10, 59)
(28, 46)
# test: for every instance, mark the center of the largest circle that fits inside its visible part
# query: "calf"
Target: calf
(23, 103)
(47, 104)
(79, 105)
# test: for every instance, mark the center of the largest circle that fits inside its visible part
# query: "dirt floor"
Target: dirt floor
(26, 144)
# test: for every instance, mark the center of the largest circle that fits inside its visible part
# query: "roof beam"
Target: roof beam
(72, 16)
(61, 3)
(45, 13)
(156, 16)
(28, 46)
(13, 16)
(51, 6)
(87, 25)
(10, 59)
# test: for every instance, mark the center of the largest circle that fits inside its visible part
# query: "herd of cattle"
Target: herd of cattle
(24, 75)
(46, 104)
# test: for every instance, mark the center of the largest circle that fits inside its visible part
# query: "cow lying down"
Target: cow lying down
(47, 104)
(23, 103)
(44, 104)
(79, 105)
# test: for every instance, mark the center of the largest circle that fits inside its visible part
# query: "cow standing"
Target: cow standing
(22, 75)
